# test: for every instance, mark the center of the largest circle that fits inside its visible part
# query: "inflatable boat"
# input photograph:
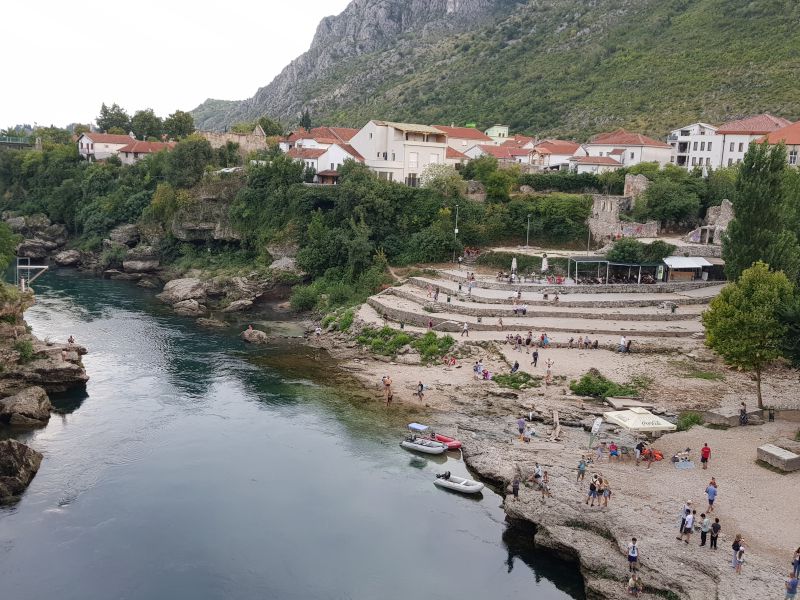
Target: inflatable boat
(451, 443)
(420, 443)
(458, 484)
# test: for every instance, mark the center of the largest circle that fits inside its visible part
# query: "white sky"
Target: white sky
(63, 58)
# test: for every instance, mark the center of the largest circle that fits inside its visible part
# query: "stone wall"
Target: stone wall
(605, 223)
(249, 142)
(717, 220)
(635, 186)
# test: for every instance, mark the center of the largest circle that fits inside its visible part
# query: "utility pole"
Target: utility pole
(528, 234)
(455, 235)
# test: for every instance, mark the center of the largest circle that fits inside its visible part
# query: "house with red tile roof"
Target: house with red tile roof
(553, 155)
(504, 154)
(790, 137)
(520, 141)
(317, 137)
(593, 164)
(454, 158)
(735, 136)
(136, 150)
(628, 148)
(462, 139)
(326, 162)
(99, 146)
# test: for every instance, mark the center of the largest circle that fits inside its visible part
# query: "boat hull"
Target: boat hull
(451, 443)
(424, 448)
(459, 484)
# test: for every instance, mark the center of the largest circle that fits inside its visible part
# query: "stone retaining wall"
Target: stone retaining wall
(613, 288)
(480, 309)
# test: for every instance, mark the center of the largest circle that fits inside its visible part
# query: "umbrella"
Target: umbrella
(514, 264)
(638, 419)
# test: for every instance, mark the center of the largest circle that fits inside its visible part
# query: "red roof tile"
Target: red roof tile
(306, 153)
(595, 160)
(323, 135)
(789, 135)
(556, 147)
(147, 147)
(764, 123)
(108, 138)
(455, 154)
(620, 137)
(352, 152)
(503, 152)
(464, 133)
(328, 173)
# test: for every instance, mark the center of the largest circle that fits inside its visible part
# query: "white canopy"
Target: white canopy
(686, 262)
(638, 419)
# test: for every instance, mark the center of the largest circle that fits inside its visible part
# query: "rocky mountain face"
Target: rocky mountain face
(364, 27)
(548, 67)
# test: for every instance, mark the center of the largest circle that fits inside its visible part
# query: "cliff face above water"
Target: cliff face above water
(560, 67)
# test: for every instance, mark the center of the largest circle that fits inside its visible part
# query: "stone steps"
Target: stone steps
(406, 311)
(467, 305)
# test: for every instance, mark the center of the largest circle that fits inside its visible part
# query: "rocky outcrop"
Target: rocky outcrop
(363, 27)
(40, 236)
(127, 235)
(207, 216)
(178, 290)
(140, 266)
(238, 306)
(189, 308)
(18, 466)
(254, 336)
(67, 258)
(30, 407)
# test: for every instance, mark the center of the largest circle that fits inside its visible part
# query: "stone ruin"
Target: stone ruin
(716, 222)
(604, 222)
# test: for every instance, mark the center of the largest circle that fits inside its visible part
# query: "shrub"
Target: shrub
(385, 341)
(518, 380)
(432, 347)
(113, 256)
(25, 350)
(689, 419)
(304, 297)
(594, 384)
(562, 182)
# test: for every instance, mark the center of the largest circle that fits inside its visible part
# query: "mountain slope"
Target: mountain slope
(566, 67)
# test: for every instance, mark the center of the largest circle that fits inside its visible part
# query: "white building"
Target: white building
(456, 159)
(520, 141)
(553, 155)
(400, 151)
(593, 164)
(628, 148)
(136, 150)
(99, 146)
(705, 146)
(695, 145)
(498, 133)
(790, 136)
(308, 156)
(318, 137)
(462, 139)
(504, 154)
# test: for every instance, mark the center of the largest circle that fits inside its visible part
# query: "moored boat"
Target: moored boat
(457, 484)
(451, 443)
(420, 443)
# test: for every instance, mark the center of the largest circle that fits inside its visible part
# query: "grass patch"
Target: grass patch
(384, 341)
(797, 436)
(431, 347)
(25, 350)
(517, 381)
(688, 369)
(689, 419)
(719, 426)
(341, 319)
(596, 385)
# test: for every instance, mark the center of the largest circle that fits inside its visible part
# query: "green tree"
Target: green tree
(8, 245)
(444, 180)
(145, 124)
(626, 250)
(305, 120)
(53, 135)
(789, 315)
(759, 229)
(187, 161)
(499, 185)
(742, 323)
(113, 117)
(480, 168)
(179, 125)
(667, 201)
(270, 127)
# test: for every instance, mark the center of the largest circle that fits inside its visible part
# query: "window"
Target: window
(413, 160)
(694, 146)
(708, 161)
(732, 146)
(631, 155)
(379, 154)
(393, 156)
(672, 159)
(793, 157)
(741, 147)
(370, 136)
(332, 165)
(738, 160)
(685, 132)
(702, 146)
(730, 162)
(694, 160)
(709, 147)
(600, 154)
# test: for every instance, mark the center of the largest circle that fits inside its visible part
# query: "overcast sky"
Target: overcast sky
(62, 58)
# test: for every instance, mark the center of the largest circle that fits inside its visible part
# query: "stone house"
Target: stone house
(462, 139)
(99, 146)
(593, 164)
(498, 133)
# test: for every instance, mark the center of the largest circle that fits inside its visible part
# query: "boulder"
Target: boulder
(18, 466)
(67, 258)
(215, 323)
(189, 308)
(178, 290)
(285, 264)
(16, 224)
(238, 306)
(125, 234)
(30, 407)
(526, 189)
(255, 336)
(140, 266)
(33, 248)
(150, 283)
(142, 252)
(54, 234)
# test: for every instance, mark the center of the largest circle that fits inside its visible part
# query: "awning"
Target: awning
(638, 419)
(417, 427)
(716, 261)
(686, 262)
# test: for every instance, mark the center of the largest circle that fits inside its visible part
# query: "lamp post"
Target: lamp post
(528, 232)
(455, 235)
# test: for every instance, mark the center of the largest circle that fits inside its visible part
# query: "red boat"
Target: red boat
(451, 443)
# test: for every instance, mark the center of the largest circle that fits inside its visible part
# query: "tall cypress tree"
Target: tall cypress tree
(760, 230)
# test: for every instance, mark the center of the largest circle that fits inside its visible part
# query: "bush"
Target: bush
(518, 380)
(385, 341)
(112, 257)
(304, 297)
(25, 350)
(689, 419)
(594, 384)
(431, 347)
(562, 181)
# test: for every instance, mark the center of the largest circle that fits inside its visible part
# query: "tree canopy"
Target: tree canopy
(146, 125)
(179, 125)
(742, 323)
(8, 245)
(113, 117)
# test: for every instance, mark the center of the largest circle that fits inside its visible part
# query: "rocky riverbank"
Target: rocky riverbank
(31, 368)
(644, 503)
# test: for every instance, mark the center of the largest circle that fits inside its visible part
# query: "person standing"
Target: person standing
(521, 426)
(633, 556)
(500, 323)
(581, 469)
(465, 329)
(420, 390)
(638, 450)
(796, 563)
(548, 378)
(711, 492)
(606, 492)
(737, 542)
(705, 452)
(715, 529)
(545, 485)
(686, 510)
(743, 418)
(688, 526)
(791, 586)
(592, 492)
(705, 527)
(535, 357)
(740, 558)
(387, 389)
(515, 487)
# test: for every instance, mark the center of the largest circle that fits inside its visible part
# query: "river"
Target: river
(195, 467)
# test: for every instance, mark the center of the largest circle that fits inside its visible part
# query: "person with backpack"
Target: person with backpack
(592, 492)
(737, 542)
(715, 529)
